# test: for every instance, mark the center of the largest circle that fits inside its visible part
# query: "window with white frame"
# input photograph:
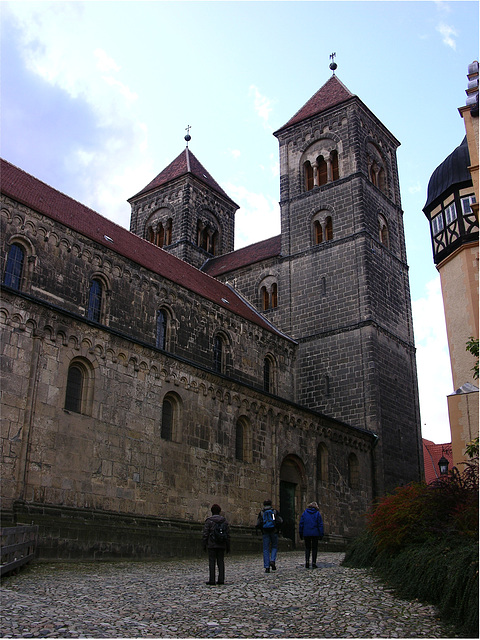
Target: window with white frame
(437, 224)
(467, 205)
(450, 213)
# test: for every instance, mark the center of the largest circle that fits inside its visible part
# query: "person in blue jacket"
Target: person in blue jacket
(311, 531)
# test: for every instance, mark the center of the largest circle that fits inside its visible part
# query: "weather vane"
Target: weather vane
(188, 137)
(333, 64)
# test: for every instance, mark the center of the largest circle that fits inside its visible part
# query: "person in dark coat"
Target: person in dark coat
(216, 544)
(311, 530)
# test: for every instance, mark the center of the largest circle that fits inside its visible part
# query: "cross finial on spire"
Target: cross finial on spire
(333, 64)
(188, 137)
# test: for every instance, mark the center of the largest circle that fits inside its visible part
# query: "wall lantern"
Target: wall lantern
(443, 466)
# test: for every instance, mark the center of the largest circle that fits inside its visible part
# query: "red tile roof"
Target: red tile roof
(183, 164)
(24, 188)
(431, 455)
(332, 93)
(243, 257)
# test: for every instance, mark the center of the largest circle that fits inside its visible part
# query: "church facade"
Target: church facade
(148, 373)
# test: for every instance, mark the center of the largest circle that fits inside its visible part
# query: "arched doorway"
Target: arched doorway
(292, 494)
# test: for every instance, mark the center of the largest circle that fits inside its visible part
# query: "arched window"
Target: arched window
(268, 374)
(353, 471)
(318, 231)
(74, 392)
(94, 311)
(382, 183)
(334, 161)
(160, 239)
(79, 388)
(218, 354)
(166, 430)
(265, 298)
(14, 267)
(308, 176)
(243, 443)
(383, 231)
(168, 232)
(274, 295)
(162, 320)
(328, 228)
(322, 171)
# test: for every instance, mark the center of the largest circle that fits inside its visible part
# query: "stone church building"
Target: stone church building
(148, 373)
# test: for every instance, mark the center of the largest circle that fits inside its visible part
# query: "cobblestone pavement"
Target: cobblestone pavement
(169, 599)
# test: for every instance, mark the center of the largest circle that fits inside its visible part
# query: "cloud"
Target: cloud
(433, 363)
(263, 105)
(415, 188)
(105, 149)
(258, 217)
(448, 34)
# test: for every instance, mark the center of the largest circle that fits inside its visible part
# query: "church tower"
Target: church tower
(185, 211)
(343, 290)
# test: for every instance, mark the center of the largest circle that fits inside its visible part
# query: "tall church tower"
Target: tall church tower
(185, 211)
(343, 290)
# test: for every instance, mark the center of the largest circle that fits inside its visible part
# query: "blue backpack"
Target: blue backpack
(268, 519)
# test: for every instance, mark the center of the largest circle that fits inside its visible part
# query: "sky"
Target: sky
(96, 98)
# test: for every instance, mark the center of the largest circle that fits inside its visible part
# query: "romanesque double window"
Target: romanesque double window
(322, 227)
(324, 169)
(207, 237)
(268, 294)
(14, 267)
(160, 233)
(377, 172)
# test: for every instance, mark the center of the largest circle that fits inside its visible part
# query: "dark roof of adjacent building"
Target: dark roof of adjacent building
(431, 455)
(27, 190)
(185, 163)
(332, 93)
(257, 252)
(453, 170)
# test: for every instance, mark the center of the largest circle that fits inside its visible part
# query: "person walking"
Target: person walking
(216, 539)
(270, 522)
(311, 531)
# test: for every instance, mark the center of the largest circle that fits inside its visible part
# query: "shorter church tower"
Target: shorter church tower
(185, 211)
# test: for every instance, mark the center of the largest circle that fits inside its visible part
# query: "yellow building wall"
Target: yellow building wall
(463, 414)
(459, 280)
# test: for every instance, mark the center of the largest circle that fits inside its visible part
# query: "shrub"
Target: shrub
(423, 541)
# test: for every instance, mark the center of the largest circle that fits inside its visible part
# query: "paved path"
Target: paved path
(169, 599)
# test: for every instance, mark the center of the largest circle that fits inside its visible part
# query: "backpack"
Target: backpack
(268, 519)
(220, 532)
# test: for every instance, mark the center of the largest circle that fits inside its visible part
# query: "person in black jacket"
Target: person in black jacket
(311, 530)
(269, 521)
(216, 538)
